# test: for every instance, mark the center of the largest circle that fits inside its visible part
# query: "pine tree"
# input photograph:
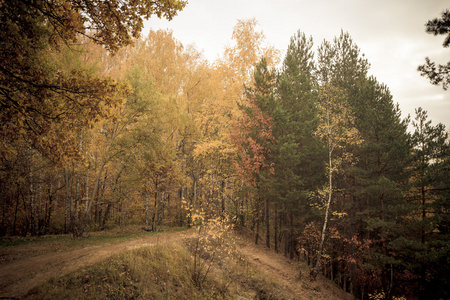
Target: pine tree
(371, 189)
(430, 202)
(441, 73)
(298, 153)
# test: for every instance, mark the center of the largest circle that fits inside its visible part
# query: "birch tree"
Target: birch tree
(336, 130)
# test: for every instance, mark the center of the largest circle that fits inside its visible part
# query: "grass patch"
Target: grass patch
(158, 272)
(163, 271)
(19, 241)
(92, 239)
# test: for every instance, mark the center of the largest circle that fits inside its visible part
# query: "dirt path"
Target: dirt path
(20, 275)
(288, 274)
(17, 277)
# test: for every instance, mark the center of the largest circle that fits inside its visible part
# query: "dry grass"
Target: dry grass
(13, 248)
(163, 271)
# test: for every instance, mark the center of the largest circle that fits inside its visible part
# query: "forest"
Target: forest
(101, 127)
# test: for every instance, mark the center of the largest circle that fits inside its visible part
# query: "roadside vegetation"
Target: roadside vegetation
(165, 271)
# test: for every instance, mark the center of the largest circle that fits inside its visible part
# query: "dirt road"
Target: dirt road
(17, 277)
(287, 273)
(20, 272)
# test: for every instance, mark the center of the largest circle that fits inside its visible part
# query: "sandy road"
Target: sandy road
(287, 273)
(17, 277)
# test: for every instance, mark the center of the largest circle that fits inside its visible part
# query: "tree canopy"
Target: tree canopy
(40, 91)
(441, 73)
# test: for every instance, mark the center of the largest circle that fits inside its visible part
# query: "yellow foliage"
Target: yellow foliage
(339, 214)
(382, 295)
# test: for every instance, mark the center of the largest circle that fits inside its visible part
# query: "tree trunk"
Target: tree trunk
(267, 223)
(424, 213)
(93, 196)
(222, 195)
(291, 236)
(275, 231)
(32, 199)
(27, 218)
(49, 212)
(3, 228)
(322, 238)
(77, 231)
(155, 212)
(180, 208)
(105, 160)
(147, 204)
(16, 209)
(256, 219)
(106, 215)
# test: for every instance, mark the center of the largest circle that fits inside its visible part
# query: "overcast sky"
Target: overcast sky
(391, 34)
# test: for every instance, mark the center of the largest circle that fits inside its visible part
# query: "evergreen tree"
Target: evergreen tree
(254, 140)
(430, 203)
(370, 190)
(441, 73)
(380, 176)
(298, 153)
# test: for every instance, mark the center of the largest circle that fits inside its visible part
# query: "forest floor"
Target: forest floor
(27, 266)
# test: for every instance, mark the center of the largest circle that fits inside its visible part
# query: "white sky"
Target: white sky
(391, 34)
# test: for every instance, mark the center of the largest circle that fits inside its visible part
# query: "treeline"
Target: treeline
(334, 175)
(102, 129)
(96, 134)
